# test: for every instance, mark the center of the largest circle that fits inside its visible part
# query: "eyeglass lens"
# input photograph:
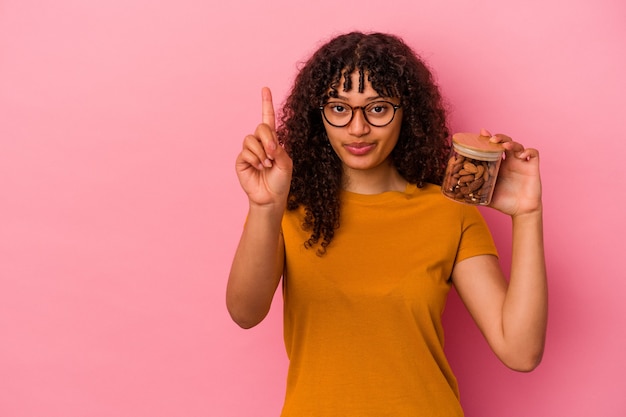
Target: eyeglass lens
(379, 113)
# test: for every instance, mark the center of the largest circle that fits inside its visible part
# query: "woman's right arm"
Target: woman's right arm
(264, 171)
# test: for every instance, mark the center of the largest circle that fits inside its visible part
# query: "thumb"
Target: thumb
(279, 156)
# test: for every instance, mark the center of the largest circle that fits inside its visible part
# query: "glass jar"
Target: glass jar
(472, 169)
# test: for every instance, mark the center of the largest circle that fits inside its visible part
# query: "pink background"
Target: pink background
(120, 209)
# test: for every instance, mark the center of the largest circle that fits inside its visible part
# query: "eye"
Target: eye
(379, 108)
(338, 108)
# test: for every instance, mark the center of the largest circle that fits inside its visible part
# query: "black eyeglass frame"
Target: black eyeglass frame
(362, 108)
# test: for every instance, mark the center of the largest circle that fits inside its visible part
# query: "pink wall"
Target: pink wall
(120, 209)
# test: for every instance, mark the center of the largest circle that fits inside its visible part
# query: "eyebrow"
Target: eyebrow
(379, 97)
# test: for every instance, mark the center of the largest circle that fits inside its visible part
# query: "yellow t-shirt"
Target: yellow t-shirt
(362, 324)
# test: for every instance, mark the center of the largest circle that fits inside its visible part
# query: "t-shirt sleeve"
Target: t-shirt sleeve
(476, 239)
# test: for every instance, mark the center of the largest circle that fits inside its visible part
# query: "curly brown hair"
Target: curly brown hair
(394, 70)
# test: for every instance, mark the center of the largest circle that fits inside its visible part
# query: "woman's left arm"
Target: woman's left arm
(512, 315)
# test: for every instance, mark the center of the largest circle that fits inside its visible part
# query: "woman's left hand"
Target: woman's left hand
(518, 187)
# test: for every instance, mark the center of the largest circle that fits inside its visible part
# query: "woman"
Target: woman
(345, 205)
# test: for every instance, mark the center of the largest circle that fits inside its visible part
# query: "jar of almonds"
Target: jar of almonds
(472, 169)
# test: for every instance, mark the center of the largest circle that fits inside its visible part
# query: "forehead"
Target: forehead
(358, 88)
(357, 81)
(358, 84)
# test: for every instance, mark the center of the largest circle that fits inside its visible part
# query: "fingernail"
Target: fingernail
(267, 163)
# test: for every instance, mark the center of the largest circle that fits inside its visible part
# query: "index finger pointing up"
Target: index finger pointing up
(267, 108)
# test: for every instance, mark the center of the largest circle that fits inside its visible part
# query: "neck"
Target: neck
(373, 181)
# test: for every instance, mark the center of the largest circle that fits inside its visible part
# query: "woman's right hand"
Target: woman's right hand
(263, 167)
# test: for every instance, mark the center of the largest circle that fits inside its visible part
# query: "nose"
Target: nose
(358, 125)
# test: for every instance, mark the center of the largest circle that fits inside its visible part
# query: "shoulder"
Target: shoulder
(436, 206)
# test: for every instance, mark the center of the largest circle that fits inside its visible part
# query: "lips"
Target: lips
(359, 148)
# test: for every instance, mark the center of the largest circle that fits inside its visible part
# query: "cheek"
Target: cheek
(332, 136)
(393, 137)
(335, 146)
(396, 133)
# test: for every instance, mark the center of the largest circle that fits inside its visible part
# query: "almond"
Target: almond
(469, 167)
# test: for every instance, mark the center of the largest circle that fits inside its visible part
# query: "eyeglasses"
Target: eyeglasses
(378, 113)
